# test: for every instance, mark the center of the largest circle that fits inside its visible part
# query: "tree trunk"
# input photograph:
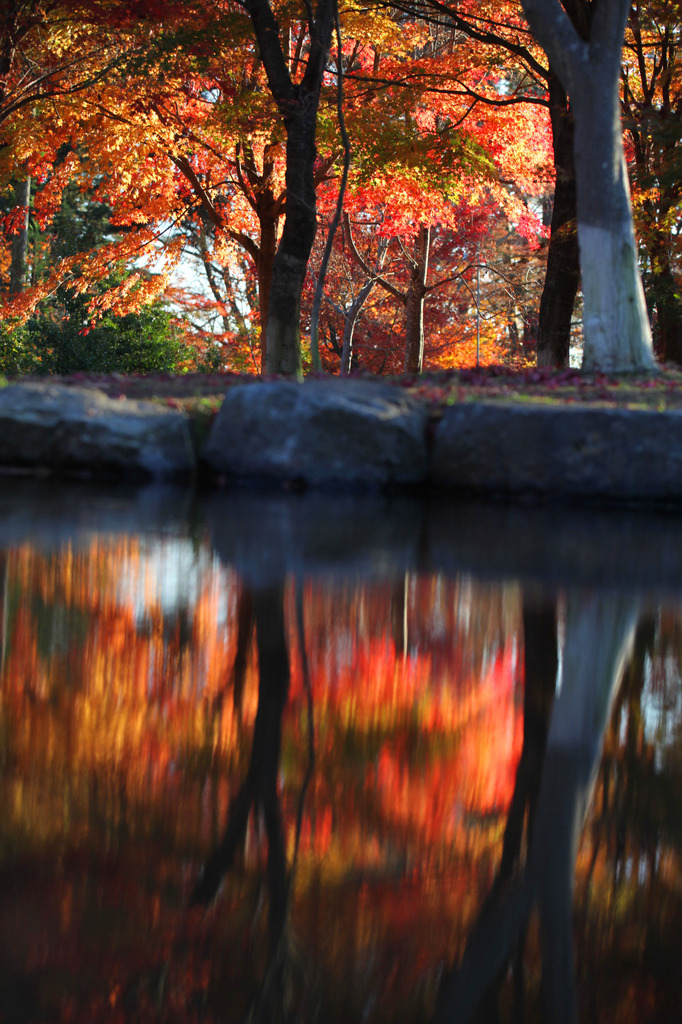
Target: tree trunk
(17, 273)
(283, 329)
(414, 303)
(617, 336)
(298, 104)
(350, 320)
(562, 277)
(665, 290)
(266, 258)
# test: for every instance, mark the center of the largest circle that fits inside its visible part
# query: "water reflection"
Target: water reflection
(232, 792)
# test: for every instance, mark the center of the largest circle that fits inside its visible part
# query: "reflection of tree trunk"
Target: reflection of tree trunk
(598, 635)
(4, 610)
(244, 635)
(273, 663)
(259, 789)
(540, 664)
(628, 775)
(540, 670)
(399, 616)
(259, 792)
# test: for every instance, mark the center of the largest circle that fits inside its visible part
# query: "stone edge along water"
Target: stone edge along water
(78, 430)
(350, 435)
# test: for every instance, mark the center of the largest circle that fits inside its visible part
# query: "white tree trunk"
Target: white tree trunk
(617, 335)
(616, 331)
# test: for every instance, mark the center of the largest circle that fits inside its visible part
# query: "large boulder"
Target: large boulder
(526, 450)
(357, 433)
(80, 430)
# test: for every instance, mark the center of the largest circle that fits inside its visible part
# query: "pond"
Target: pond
(289, 758)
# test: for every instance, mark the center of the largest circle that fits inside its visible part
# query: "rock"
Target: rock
(365, 434)
(517, 450)
(75, 429)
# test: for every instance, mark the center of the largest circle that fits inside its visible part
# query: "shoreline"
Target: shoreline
(347, 436)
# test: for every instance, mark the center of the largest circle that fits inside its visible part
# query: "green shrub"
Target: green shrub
(59, 340)
(16, 353)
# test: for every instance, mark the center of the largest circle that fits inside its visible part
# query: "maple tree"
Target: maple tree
(50, 51)
(143, 135)
(477, 301)
(496, 66)
(407, 189)
(650, 47)
(298, 103)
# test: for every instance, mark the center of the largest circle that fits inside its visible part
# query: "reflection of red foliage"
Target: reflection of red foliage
(475, 776)
(125, 744)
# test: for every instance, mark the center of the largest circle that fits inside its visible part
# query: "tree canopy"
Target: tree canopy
(215, 139)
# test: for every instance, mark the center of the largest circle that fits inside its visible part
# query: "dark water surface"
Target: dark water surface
(320, 759)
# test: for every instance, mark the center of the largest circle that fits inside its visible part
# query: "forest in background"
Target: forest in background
(144, 160)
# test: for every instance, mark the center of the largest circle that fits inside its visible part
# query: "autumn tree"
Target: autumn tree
(298, 104)
(426, 163)
(38, 62)
(161, 147)
(478, 303)
(412, 297)
(488, 58)
(47, 51)
(410, 160)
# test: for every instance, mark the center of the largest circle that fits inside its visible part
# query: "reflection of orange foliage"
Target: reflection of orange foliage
(436, 737)
(107, 680)
(122, 737)
(122, 749)
(477, 777)
(102, 682)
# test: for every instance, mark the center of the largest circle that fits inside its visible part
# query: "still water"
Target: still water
(294, 759)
